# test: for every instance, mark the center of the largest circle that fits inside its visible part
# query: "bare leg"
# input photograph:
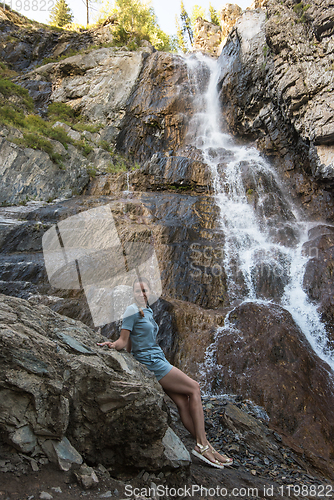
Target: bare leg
(182, 403)
(177, 384)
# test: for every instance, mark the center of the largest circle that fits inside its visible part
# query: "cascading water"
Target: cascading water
(264, 234)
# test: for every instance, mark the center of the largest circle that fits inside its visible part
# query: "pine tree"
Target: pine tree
(214, 15)
(61, 14)
(186, 24)
(180, 37)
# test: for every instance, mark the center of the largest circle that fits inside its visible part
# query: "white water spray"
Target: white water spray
(264, 234)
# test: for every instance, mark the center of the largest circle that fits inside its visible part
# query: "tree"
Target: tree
(186, 25)
(135, 21)
(186, 28)
(197, 12)
(214, 15)
(61, 14)
(180, 37)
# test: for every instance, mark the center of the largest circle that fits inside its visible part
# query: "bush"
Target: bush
(8, 88)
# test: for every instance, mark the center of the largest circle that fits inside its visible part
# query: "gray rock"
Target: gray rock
(74, 398)
(86, 477)
(61, 453)
(279, 88)
(28, 173)
(101, 81)
(44, 495)
(73, 134)
(23, 439)
(175, 451)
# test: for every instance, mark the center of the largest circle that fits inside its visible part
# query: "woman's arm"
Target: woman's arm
(120, 343)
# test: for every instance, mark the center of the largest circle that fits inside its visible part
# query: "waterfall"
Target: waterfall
(264, 233)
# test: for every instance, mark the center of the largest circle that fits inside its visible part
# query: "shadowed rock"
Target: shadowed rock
(62, 392)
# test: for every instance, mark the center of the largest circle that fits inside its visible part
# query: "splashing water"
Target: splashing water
(264, 234)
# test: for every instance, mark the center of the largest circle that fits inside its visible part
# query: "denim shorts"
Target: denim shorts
(155, 361)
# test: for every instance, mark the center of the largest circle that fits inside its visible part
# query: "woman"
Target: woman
(138, 334)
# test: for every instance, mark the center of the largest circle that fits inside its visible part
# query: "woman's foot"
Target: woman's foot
(204, 453)
(223, 459)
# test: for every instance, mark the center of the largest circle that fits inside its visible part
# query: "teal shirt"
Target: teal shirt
(143, 330)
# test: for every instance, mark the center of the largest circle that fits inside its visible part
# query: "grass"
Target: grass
(9, 89)
(59, 111)
(117, 167)
(300, 9)
(35, 141)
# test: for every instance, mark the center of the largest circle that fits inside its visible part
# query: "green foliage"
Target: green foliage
(135, 21)
(91, 170)
(61, 111)
(5, 72)
(105, 145)
(197, 12)
(214, 18)
(180, 39)
(9, 115)
(300, 9)
(186, 27)
(35, 141)
(84, 146)
(117, 167)
(8, 89)
(61, 14)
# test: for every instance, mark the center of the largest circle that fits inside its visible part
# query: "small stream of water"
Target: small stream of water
(264, 234)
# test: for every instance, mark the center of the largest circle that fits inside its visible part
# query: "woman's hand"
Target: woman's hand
(120, 343)
(111, 345)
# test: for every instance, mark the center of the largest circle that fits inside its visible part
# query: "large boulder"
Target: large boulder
(61, 393)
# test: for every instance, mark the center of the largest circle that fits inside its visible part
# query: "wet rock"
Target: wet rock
(277, 89)
(155, 118)
(318, 279)
(264, 356)
(167, 172)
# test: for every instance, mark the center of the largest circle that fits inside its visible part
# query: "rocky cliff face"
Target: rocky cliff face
(278, 90)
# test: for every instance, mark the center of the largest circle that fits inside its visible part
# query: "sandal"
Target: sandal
(200, 455)
(229, 461)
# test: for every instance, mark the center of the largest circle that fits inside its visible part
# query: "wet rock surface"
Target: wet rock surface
(263, 355)
(278, 90)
